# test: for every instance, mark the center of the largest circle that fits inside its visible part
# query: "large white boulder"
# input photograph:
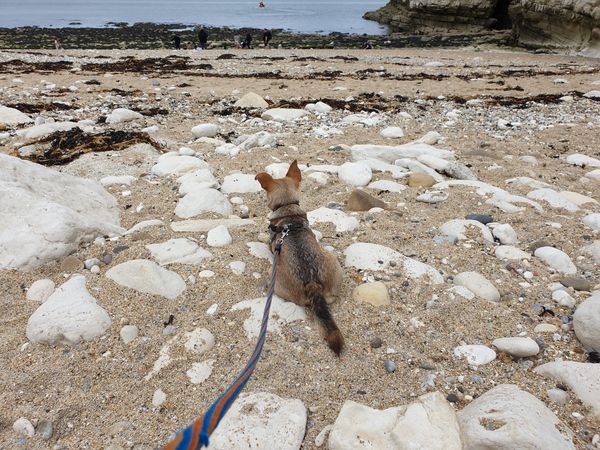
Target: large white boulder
(45, 214)
(355, 174)
(429, 423)
(123, 115)
(582, 378)
(507, 418)
(175, 164)
(519, 347)
(240, 183)
(586, 323)
(592, 221)
(12, 116)
(147, 277)
(209, 130)
(261, 421)
(70, 315)
(344, 223)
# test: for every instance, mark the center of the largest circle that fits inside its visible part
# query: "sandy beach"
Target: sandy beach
(506, 115)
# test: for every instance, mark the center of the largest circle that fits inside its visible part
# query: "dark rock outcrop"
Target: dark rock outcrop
(562, 24)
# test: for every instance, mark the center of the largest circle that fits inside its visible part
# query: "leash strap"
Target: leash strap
(197, 434)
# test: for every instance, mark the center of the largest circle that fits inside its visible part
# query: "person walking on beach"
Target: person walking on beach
(176, 42)
(202, 39)
(247, 41)
(267, 36)
(57, 44)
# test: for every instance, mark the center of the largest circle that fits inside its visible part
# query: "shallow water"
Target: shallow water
(303, 16)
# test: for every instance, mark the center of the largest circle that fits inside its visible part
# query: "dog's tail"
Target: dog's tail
(318, 304)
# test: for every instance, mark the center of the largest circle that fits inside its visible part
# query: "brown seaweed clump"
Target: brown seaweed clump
(62, 147)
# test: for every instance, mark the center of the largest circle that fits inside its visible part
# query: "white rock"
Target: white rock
(457, 229)
(197, 181)
(175, 164)
(430, 423)
(462, 291)
(46, 129)
(392, 133)
(178, 251)
(392, 153)
(319, 177)
(147, 277)
(476, 355)
(505, 234)
(228, 149)
(219, 237)
(200, 372)
(143, 225)
(206, 274)
(46, 214)
(592, 94)
(386, 185)
(586, 323)
(203, 225)
(23, 427)
(593, 250)
(343, 222)
(563, 298)
(478, 284)
(556, 259)
(507, 418)
(283, 114)
(260, 250)
(281, 313)
(125, 180)
(577, 198)
(511, 253)
(417, 167)
(12, 116)
(203, 201)
(558, 396)
(128, 333)
(123, 115)
(519, 347)
(260, 139)
(40, 290)
(70, 315)
(158, 398)
(578, 159)
(593, 175)
(319, 107)
(355, 174)
(240, 183)
(433, 197)
(554, 199)
(199, 341)
(237, 267)
(259, 421)
(366, 256)
(592, 221)
(582, 378)
(251, 100)
(205, 130)
(434, 162)
(363, 119)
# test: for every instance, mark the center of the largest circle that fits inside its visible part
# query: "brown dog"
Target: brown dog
(306, 275)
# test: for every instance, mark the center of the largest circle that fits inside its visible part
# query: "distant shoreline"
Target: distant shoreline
(159, 36)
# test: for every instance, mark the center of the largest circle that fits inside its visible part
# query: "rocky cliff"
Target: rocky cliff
(535, 23)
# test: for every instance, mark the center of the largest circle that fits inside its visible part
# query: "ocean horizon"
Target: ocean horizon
(312, 16)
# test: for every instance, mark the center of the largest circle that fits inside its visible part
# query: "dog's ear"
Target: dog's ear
(294, 173)
(266, 181)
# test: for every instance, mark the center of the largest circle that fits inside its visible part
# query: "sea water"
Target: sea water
(308, 16)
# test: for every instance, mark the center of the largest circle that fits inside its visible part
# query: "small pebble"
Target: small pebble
(44, 430)
(376, 343)
(452, 398)
(119, 249)
(390, 366)
(169, 330)
(23, 427)
(158, 398)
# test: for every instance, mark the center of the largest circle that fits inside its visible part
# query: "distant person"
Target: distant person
(261, 4)
(176, 42)
(367, 45)
(202, 39)
(238, 40)
(247, 41)
(57, 44)
(267, 36)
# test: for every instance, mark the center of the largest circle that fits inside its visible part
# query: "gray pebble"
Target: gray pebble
(107, 259)
(376, 342)
(335, 205)
(482, 218)
(390, 366)
(169, 330)
(89, 263)
(120, 248)
(44, 430)
(477, 379)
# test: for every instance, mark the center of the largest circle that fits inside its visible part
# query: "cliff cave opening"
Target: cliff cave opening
(502, 16)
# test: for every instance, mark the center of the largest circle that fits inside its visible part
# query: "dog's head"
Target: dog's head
(282, 191)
